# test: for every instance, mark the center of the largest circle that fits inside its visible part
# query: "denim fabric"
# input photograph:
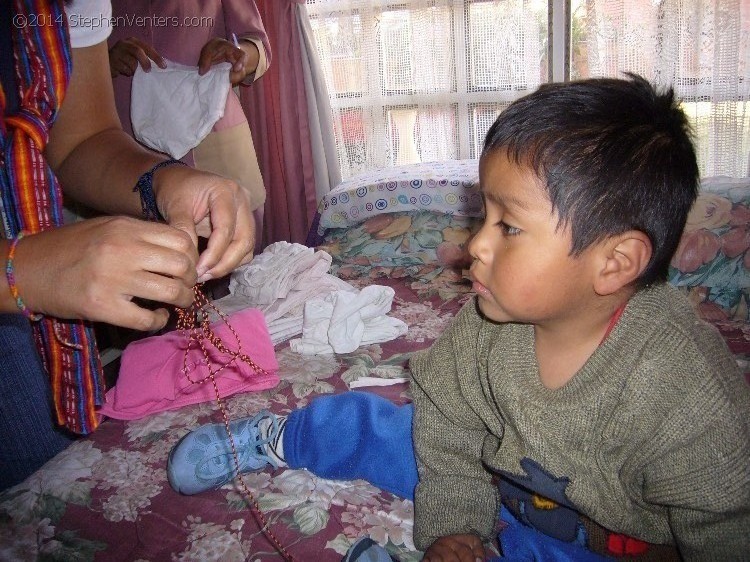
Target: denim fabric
(29, 435)
(354, 435)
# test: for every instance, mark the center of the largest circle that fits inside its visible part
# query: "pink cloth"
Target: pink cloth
(151, 378)
(183, 43)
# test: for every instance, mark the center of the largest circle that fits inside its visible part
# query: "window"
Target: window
(700, 47)
(422, 80)
(419, 81)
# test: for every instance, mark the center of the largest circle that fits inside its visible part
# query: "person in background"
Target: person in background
(60, 136)
(578, 395)
(198, 33)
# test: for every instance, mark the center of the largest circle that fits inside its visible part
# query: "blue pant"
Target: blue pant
(29, 435)
(361, 435)
(354, 435)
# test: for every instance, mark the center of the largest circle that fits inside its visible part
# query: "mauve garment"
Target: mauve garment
(183, 44)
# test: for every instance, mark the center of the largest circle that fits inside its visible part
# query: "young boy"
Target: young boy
(577, 379)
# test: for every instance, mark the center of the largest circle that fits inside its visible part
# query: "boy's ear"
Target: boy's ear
(624, 257)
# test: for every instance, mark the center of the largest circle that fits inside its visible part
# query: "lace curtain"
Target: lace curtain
(419, 80)
(422, 80)
(700, 47)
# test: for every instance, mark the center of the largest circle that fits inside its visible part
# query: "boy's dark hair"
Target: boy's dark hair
(615, 155)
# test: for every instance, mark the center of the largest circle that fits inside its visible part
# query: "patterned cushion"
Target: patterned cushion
(712, 262)
(450, 187)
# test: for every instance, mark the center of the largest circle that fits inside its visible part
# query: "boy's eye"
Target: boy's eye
(509, 230)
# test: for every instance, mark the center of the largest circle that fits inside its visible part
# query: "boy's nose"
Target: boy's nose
(477, 245)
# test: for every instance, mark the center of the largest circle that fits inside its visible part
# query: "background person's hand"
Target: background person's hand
(93, 269)
(456, 548)
(127, 54)
(219, 50)
(210, 206)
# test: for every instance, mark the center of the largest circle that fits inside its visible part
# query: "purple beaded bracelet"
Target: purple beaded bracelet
(145, 188)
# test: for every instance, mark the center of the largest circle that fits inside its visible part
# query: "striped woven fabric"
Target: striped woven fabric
(32, 198)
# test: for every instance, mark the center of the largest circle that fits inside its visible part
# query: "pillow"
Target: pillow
(712, 262)
(450, 187)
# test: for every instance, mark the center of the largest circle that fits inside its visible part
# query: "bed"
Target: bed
(107, 496)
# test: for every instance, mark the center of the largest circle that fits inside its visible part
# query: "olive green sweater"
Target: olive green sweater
(651, 438)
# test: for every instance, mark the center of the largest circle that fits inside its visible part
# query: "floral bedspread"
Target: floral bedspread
(107, 498)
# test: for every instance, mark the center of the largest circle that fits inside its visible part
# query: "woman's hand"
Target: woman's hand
(95, 268)
(456, 548)
(219, 50)
(127, 54)
(207, 205)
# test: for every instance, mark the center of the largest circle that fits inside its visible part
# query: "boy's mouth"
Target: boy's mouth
(481, 290)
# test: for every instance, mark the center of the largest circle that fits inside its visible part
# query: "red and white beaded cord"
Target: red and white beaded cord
(194, 322)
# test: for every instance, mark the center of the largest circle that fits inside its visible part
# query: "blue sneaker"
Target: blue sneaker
(203, 459)
(365, 549)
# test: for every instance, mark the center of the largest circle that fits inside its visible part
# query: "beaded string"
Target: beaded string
(11, 277)
(195, 323)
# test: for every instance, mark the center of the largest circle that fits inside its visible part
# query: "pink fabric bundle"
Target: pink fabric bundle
(151, 378)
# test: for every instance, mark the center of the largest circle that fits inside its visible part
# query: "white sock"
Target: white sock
(275, 447)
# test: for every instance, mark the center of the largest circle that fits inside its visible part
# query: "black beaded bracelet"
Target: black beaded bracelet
(145, 187)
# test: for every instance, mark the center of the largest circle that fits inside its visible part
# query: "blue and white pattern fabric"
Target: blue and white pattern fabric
(450, 187)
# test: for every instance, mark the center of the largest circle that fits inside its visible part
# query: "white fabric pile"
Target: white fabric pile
(291, 285)
(342, 321)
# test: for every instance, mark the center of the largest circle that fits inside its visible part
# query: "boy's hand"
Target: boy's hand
(455, 548)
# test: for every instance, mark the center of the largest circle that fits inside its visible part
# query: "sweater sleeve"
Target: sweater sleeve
(701, 473)
(455, 493)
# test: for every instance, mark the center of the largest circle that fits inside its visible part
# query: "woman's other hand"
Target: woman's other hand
(127, 54)
(94, 269)
(204, 204)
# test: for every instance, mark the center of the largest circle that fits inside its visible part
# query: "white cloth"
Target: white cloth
(172, 109)
(276, 271)
(306, 287)
(363, 382)
(280, 329)
(342, 321)
(286, 327)
(89, 22)
(279, 282)
(291, 285)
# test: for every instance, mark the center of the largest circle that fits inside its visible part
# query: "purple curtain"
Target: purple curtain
(276, 107)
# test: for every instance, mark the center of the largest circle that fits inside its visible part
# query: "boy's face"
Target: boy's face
(522, 269)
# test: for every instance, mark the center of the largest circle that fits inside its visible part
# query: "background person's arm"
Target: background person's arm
(243, 56)
(128, 53)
